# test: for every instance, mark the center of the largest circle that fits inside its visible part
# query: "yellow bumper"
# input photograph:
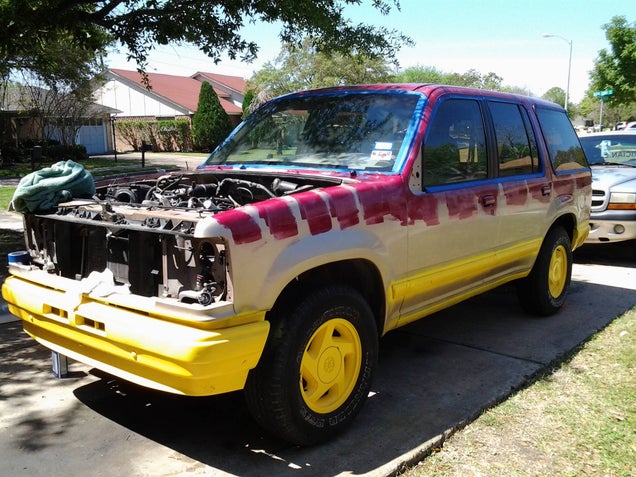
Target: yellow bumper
(161, 352)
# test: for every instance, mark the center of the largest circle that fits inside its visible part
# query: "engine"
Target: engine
(187, 192)
(143, 232)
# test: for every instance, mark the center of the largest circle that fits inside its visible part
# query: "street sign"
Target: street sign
(602, 94)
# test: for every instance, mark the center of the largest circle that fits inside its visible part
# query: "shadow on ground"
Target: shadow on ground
(435, 375)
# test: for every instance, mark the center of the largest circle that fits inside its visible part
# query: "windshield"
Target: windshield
(610, 148)
(344, 130)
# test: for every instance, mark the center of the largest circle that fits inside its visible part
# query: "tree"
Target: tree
(422, 74)
(213, 26)
(556, 95)
(247, 102)
(210, 124)
(304, 67)
(31, 39)
(616, 69)
(471, 78)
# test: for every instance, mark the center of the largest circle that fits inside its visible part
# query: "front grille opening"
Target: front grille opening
(59, 312)
(88, 323)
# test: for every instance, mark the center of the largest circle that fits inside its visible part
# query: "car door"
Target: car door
(525, 187)
(452, 237)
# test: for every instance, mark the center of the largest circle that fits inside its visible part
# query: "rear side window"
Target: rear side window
(516, 145)
(455, 145)
(562, 142)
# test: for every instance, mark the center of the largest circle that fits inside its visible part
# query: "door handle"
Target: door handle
(487, 200)
(546, 190)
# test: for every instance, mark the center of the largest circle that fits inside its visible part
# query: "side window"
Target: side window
(455, 145)
(563, 144)
(516, 145)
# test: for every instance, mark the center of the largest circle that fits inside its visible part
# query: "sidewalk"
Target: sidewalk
(11, 221)
(184, 161)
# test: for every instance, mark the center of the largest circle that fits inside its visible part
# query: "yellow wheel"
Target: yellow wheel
(558, 271)
(316, 371)
(543, 292)
(330, 366)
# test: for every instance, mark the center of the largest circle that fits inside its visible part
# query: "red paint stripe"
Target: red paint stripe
(424, 207)
(374, 204)
(342, 205)
(564, 187)
(314, 210)
(243, 227)
(278, 217)
(461, 204)
(516, 193)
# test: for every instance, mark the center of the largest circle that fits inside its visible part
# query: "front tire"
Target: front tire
(317, 369)
(543, 292)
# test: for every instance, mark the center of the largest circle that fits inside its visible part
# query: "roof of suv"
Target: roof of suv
(434, 90)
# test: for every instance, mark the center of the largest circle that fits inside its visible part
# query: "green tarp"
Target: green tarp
(42, 190)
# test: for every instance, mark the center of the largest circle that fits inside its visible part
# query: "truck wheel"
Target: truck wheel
(543, 292)
(317, 369)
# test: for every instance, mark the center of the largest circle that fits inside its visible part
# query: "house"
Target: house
(28, 114)
(166, 96)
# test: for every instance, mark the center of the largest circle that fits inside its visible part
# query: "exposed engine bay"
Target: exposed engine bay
(143, 231)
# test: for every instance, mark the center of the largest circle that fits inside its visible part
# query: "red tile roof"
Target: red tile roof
(181, 90)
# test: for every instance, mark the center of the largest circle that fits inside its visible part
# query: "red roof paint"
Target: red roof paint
(181, 90)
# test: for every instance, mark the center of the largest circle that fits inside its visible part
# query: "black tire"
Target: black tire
(317, 368)
(543, 292)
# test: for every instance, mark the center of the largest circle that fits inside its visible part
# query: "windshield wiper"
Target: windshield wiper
(612, 164)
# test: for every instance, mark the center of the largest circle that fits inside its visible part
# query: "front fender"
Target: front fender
(315, 251)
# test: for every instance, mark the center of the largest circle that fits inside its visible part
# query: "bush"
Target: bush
(210, 124)
(9, 155)
(75, 153)
(169, 136)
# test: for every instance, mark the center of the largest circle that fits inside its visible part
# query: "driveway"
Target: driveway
(435, 376)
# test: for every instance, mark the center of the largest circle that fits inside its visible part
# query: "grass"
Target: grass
(6, 193)
(21, 169)
(580, 420)
(98, 165)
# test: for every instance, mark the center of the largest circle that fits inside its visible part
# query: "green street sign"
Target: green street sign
(602, 94)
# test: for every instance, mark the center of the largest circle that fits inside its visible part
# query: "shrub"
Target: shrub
(170, 135)
(10, 155)
(57, 153)
(210, 124)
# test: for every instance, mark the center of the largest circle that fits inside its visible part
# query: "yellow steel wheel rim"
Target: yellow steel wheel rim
(330, 365)
(557, 274)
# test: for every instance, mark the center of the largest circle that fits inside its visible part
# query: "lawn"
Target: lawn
(580, 419)
(6, 193)
(21, 169)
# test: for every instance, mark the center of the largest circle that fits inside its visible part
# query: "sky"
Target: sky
(505, 37)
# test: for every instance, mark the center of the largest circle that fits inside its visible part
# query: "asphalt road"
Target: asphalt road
(435, 376)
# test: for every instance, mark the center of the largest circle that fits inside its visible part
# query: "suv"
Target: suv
(325, 220)
(612, 156)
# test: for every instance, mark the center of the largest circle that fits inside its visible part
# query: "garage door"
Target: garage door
(93, 138)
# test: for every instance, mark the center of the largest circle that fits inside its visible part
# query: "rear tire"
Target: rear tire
(317, 369)
(543, 292)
